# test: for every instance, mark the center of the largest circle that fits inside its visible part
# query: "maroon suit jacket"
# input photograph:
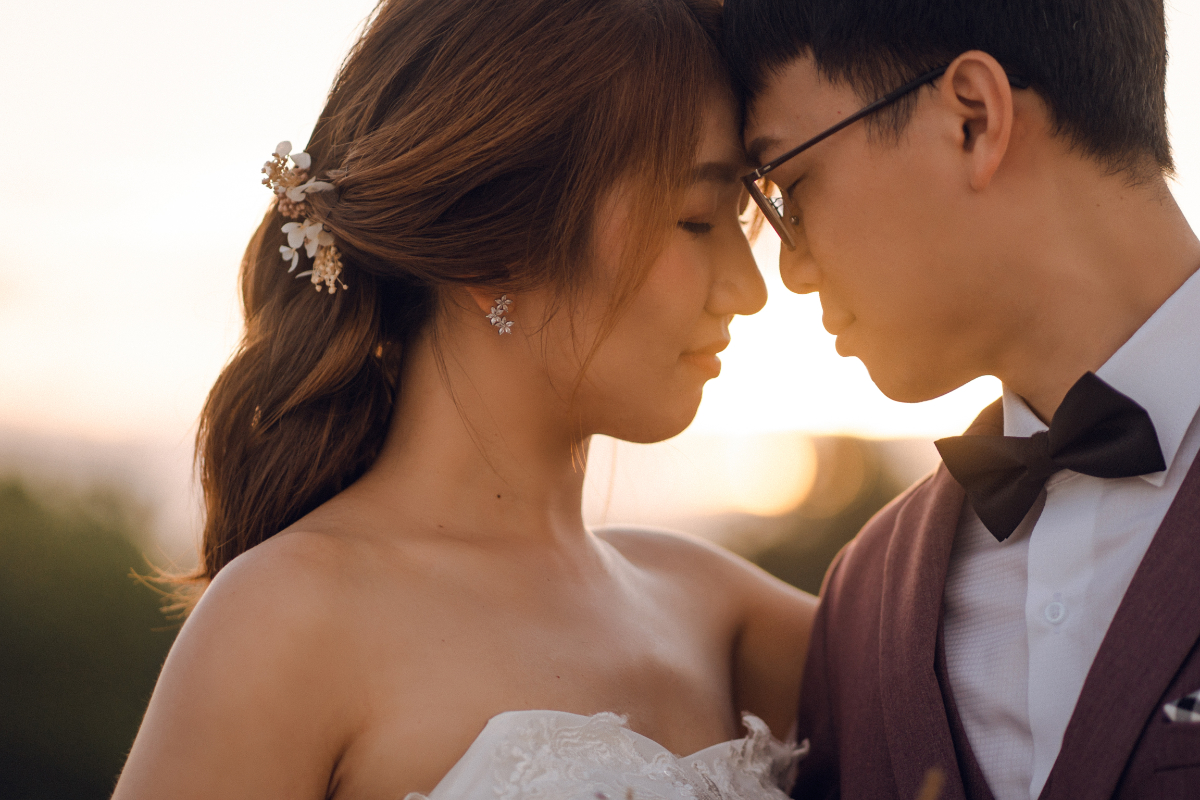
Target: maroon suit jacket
(878, 712)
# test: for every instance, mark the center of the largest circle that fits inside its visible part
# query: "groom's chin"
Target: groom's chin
(907, 383)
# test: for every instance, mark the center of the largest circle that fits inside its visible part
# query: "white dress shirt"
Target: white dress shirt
(1024, 618)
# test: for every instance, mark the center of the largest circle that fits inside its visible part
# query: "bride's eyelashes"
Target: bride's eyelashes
(695, 228)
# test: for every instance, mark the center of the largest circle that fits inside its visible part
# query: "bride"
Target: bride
(521, 221)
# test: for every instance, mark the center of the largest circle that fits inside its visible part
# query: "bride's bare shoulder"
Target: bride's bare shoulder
(660, 547)
(301, 591)
(706, 565)
(277, 609)
(265, 649)
(673, 551)
(290, 576)
(770, 621)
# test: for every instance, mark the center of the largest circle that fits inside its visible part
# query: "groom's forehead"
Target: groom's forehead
(795, 103)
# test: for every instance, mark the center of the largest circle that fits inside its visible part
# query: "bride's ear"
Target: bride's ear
(483, 297)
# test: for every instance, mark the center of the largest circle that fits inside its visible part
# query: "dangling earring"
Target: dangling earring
(496, 315)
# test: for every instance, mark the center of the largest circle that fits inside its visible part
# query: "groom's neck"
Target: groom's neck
(1100, 254)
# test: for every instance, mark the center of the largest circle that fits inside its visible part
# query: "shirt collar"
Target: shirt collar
(1159, 368)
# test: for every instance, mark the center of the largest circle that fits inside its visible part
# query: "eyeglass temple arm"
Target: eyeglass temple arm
(887, 99)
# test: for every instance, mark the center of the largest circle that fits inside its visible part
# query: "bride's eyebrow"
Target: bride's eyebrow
(723, 172)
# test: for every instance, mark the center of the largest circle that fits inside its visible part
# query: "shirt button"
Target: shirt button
(1055, 613)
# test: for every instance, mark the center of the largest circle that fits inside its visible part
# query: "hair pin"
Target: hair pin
(291, 186)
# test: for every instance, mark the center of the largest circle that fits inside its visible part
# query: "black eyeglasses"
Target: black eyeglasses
(772, 207)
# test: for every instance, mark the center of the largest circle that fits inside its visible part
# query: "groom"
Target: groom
(1027, 619)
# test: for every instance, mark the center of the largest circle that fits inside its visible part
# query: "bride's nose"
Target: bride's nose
(738, 286)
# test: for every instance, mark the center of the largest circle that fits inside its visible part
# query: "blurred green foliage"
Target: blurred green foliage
(81, 641)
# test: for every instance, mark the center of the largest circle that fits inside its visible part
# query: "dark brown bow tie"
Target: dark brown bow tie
(1096, 431)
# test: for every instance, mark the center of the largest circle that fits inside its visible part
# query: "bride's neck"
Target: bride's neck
(476, 445)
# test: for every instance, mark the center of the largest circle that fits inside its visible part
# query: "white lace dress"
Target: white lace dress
(531, 755)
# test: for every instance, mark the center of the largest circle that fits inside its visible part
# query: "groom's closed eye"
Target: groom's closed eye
(789, 193)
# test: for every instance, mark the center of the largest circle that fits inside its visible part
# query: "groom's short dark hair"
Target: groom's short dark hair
(1100, 65)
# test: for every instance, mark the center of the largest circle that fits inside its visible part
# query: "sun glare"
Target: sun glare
(697, 475)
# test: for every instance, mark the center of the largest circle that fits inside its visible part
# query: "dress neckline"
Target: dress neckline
(618, 719)
(547, 753)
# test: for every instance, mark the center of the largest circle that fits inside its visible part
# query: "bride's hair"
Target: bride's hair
(470, 142)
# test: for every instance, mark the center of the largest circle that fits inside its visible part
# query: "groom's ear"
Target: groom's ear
(976, 93)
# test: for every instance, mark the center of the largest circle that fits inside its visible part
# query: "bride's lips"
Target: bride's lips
(706, 357)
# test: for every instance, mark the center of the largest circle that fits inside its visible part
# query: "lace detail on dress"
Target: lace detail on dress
(551, 756)
(554, 754)
(759, 765)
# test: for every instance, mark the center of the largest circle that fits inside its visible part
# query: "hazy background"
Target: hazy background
(133, 132)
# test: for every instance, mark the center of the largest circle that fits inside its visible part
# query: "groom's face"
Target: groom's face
(886, 234)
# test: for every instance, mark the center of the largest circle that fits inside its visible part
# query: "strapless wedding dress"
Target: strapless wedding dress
(531, 755)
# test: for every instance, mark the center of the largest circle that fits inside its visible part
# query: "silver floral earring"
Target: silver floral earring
(497, 315)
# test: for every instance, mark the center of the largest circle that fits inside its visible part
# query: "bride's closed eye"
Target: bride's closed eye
(695, 228)
(714, 206)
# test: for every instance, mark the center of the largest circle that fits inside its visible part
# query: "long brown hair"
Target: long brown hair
(470, 142)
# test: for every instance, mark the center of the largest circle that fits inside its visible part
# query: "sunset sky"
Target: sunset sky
(133, 134)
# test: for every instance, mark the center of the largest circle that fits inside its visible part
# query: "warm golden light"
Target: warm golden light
(696, 475)
(137, 188)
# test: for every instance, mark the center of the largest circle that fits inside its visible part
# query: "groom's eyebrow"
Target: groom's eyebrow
(717, 172)
(756, 148)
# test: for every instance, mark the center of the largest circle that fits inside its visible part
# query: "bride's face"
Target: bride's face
(645, 379)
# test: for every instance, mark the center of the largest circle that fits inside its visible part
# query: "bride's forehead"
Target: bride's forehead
(721, 172)
(720, 144)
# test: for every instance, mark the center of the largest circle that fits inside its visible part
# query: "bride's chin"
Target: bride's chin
(658, 428)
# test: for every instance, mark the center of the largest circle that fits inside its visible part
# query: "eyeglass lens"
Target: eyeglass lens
(772, 207)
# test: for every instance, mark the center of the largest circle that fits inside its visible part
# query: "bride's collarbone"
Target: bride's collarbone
(450, 634)
(505, 660)
(437, 684)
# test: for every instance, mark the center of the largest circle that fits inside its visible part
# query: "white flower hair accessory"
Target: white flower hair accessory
(291, 186)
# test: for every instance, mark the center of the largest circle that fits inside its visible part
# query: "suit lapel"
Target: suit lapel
(914, 717)
(914, 579)
(1155, 627)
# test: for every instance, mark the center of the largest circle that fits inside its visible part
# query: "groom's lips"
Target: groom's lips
(706, 357)
(835, 322)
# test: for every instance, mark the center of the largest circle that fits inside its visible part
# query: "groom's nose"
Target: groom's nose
(798, 270)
